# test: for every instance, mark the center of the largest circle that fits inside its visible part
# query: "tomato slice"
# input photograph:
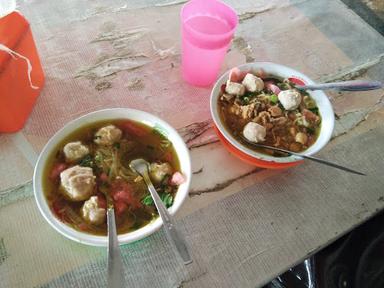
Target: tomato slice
(103, 177)
(83, 226)
(133, 129)
(168, 157)
(121, 195)
(121, 191)
(296, 80)
(56, 170)
(177, 179)
(101, 201)
(120, 207)
(58, 207)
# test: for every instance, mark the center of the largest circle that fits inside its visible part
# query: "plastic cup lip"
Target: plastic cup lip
(215, 37)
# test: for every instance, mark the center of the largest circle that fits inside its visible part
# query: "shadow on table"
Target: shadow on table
(354, 261)
(371, 11)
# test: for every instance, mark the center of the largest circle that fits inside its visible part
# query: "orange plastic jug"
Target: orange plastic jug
(19, 88)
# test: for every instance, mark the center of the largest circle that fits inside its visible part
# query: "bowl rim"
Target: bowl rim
(326, 106)
(100, 115)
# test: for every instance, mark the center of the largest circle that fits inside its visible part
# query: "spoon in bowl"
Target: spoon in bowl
(354, 85)
(115, 265)
(315, 159)
(141, 167)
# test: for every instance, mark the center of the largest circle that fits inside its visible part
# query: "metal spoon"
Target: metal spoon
(354, 85)
(140, 166)
(115, 264)
(322, 161)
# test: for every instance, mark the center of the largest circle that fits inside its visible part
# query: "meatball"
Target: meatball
(77, 183)
(253, 83)
(290, 99)
(74, 151)
(234, 88)
(254, 132)
(158, 171)
(108, 135)
(92, 212)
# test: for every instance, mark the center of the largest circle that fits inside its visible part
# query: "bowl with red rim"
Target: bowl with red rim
(110, 115)
(265, 69)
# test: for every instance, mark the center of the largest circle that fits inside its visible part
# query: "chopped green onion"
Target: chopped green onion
(86, 161)
(160, 131)
(165, 197)
(165, 144)
(311, 130)
(283, 86)
(98, 157)
(309, 102)
(314, 110)
(273, 98)
(147, 200)
(245, 100)
(164, 181)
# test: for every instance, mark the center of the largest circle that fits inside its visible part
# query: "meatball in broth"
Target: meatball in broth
(89, 172)
(260, 108)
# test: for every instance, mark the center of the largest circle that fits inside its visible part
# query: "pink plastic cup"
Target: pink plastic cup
(207, 29)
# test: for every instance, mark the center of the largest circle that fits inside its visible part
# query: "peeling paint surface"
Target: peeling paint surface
(113, 65)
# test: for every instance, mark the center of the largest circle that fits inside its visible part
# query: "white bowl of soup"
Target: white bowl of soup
(258, 102)
(85, 166)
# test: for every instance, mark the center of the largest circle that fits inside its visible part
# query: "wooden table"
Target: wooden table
(244, 225)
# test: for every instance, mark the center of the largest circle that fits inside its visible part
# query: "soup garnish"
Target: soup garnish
(268, 110)
(89, 169)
